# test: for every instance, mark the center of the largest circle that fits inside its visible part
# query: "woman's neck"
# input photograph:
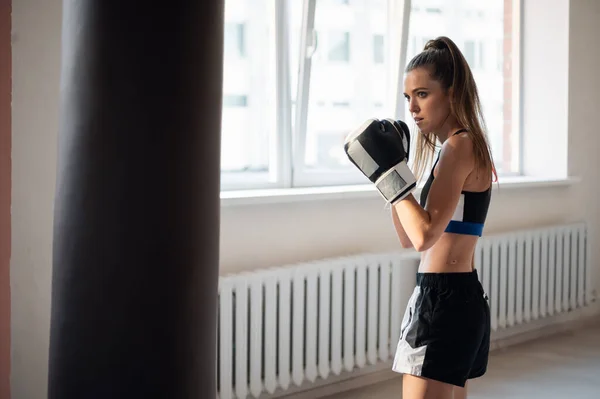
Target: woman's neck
(447, 130)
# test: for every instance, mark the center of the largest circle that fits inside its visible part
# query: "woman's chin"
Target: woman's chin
(425, 129)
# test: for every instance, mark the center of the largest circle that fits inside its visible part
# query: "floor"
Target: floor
(562, 366)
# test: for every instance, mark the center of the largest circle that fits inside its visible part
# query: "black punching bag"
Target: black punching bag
(136, 228)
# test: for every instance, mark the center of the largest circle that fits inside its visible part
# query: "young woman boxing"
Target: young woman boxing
(445, 332)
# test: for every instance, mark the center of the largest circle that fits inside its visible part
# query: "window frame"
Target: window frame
(398, 39)
(287, 169)
(280, 175)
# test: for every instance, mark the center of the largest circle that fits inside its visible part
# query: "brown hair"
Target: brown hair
(448, 66)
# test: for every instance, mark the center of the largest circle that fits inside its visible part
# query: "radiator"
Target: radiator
(282, 328)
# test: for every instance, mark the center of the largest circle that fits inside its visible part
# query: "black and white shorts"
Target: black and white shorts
(445, 334)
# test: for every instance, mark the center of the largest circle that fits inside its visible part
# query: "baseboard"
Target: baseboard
(345, 382)
(502, 339)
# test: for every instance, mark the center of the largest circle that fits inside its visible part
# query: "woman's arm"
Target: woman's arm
(404, 240)
(425, 226)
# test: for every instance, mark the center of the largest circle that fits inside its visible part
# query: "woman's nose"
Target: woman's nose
(413, 106)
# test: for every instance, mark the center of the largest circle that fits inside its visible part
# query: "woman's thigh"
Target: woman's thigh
(460, 393)
(423, 388)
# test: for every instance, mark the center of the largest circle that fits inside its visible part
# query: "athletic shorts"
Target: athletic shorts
(445, 333)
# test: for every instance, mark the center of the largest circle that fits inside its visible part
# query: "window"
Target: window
(482, 55)
(500, 55)
(490, 57)
(333, 95)
(249, 113)
(231, 101)
(300, 75)
(339, 46)
(235, 39)
(474, 52)
(469, 52)
(378, 49)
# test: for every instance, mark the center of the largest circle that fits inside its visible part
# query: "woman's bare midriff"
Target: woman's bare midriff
(452, 253)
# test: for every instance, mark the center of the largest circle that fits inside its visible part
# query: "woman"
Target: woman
(446, 328)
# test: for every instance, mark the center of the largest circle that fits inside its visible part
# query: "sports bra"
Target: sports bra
(471, 210)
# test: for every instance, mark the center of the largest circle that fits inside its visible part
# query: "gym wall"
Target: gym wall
(262, 235)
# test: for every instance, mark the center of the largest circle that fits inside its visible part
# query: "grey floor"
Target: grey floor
(562, 366)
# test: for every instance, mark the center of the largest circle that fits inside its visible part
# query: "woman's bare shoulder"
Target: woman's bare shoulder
(459, 148)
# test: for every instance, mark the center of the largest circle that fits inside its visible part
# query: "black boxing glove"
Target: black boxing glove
(379, 149)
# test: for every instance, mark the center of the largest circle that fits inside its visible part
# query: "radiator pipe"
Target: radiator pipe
(136, 222)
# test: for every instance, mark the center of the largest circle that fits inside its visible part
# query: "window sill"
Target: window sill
(366, 191)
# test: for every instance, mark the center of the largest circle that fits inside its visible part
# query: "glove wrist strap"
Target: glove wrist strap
(396, 183)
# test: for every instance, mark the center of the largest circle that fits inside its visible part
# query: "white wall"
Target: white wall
(36, 56)
(256, 235)
(546, 73)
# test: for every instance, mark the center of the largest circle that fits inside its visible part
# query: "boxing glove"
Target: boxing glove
(379, 149)
(402, 129)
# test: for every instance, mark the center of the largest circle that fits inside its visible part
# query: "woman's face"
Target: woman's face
(428, 103)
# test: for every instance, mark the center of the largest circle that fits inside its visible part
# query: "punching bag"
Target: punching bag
(136, 223)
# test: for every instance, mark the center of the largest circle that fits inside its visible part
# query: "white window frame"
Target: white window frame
(280, 154)
(398, 10)
(289, 145)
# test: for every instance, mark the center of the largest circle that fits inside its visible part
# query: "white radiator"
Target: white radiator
(280, 328)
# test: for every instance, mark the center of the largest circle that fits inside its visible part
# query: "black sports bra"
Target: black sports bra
(471, 210)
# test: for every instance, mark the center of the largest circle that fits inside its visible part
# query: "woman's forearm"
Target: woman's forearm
(402, 236)
(415, 220)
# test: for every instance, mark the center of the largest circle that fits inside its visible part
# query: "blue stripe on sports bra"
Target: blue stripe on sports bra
(459, 227)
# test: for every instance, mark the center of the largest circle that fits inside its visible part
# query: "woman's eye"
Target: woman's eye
(422, 94)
